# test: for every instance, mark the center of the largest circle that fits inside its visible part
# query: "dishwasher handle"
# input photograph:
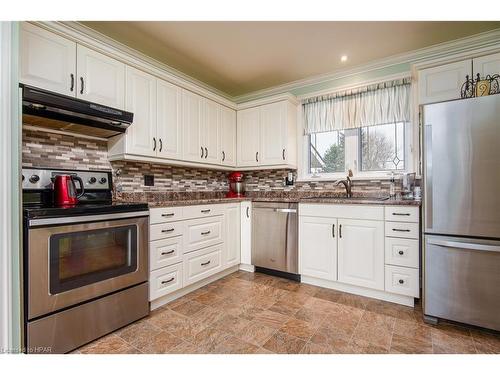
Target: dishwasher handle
(286, 210)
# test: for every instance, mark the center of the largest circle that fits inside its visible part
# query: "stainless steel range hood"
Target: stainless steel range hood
(59, 112)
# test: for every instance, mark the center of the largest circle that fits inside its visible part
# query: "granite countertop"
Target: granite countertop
(188, 199)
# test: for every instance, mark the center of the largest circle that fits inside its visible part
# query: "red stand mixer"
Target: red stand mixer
(236, 185)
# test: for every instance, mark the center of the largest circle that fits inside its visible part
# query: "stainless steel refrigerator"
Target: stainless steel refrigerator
(461, 144)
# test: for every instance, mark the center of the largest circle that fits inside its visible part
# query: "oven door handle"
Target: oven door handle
(85, 218)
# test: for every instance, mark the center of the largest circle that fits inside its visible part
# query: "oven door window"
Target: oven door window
(82, 258)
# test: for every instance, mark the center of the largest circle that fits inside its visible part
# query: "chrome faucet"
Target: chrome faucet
(347, 184)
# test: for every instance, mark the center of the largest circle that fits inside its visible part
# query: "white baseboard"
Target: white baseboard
(190, 288)
(247, 267)
(366, 292)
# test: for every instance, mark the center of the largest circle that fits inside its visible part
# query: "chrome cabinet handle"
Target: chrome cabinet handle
(205, 211)
(340, 231)
(283, 154)
(205, 233)
(168, 281)
(154, 144)
(204, 264)
(168, 230)
(161, 144)
(168, 252)
(201, 152)
(257, 156)
(333, 230)
(248, 212)
(168, 215)
(400, 230)
(81, 85)
(72, 82)
(400, 214)
(401, 252)
(401, 281)
(223, 156)
(206, 152)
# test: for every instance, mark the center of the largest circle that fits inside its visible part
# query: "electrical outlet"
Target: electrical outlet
(149, 180)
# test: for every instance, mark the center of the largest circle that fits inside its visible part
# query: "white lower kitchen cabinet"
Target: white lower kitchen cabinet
(202, 263)
(232, 249)
(165, 280)
(246, 236)
(354, 249)
(318, 247)
(361, 253)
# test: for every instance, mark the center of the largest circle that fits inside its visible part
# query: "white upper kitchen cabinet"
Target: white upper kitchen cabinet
(191, 126)
(361, 253)
(168, 120)
(443, 82)
(273, 133)
(47, 60)
(100, 79)
(210, 131)
(318, 247)
(227, 136)
(487, 65)
(248, 133)
(141, 136)
(232, 251)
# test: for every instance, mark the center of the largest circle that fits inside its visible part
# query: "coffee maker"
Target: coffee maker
(236, 185)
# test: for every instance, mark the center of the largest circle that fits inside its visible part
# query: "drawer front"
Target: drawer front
(165, 252)
(165, 280)
(200, 233)
(165, 215)
(350, 211)
(167, 230)
(193, 212)
(201, 264)
(401, 230)
(401, 252)
(402, 213)
(402, 280)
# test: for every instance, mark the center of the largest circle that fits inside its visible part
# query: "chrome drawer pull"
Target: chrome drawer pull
(168, 230)
(168, 215)
(400, 214)
(401, 281)
(168, 252)
(168, 281)
(401, 252)
(205, 211)
(400, 230)
(204, 264)
(205, 233)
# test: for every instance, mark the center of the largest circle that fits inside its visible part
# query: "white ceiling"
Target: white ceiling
(240, 57)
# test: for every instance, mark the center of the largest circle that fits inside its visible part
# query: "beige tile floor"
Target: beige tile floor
(256, 313)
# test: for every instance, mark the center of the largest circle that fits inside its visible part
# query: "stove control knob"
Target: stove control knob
(92, 180)
(34, 179)
(103, 180)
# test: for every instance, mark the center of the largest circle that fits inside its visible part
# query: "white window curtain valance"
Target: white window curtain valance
(376, 104)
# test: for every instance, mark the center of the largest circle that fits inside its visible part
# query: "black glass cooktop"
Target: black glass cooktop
(37, 210)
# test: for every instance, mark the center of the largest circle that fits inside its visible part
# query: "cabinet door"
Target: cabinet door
(318, 247)
(228, 136)
(101, 79)
(210, 140)
(191, 126)
(248, 132)
(47, 60)
(443, 82)
(487, 65)
(273, 133)
(231, 254)
(361, 253)
(246, 232)
(168, 122)
(141, 100)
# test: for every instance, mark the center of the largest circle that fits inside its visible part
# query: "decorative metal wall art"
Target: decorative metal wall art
(480, 87)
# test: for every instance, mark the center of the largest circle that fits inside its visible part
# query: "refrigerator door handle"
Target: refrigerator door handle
(464, 245)
(428, 177)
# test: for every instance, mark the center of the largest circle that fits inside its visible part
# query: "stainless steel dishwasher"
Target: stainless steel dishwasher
(275, 237)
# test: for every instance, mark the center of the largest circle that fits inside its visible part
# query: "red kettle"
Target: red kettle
(65, 190)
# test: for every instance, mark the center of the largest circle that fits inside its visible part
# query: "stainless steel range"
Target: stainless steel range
(85, 266)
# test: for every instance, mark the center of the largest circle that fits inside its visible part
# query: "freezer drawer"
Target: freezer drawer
(462, 280)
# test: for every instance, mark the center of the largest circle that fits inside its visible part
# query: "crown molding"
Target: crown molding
(486, 42)
(108, 46)
(267, 100)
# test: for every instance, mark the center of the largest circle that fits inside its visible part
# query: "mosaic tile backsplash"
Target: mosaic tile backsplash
(49, 150)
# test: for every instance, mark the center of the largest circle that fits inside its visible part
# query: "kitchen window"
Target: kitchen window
(367, 130)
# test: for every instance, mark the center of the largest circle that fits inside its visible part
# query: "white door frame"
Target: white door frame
(10, 136)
